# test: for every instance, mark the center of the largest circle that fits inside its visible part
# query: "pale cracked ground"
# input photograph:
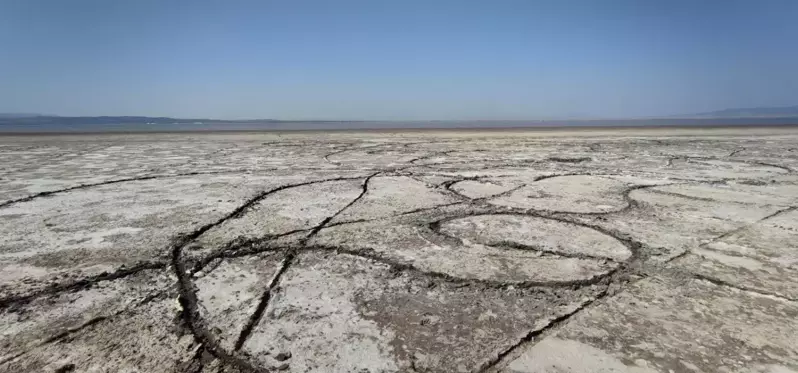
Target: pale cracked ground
(583, 251)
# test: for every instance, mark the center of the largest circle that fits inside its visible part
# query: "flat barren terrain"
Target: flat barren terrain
(660, 250)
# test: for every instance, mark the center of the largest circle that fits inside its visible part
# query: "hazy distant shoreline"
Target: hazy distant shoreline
(40, 123)
(121, 128)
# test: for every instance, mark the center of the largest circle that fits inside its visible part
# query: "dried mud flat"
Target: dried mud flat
(584, 251)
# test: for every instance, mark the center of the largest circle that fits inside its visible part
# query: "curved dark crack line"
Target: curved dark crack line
(696, 198)
(349, 148)
(569, 159)
(327, 156)
(785, 168)
(250, 242)
(257, 315)
(706, 245)
(263, 303)
(88, 324)
(253, 246)
(190, 314)
(320, 226)
(626, 273)
(631, 203)
(563, 254)
(734, 152)
(188, 299)
(633, 246)
(750, 163)
(431, 155)
(435, 227)
(230, 249)
(375, 256)
(110, 182)
(448, 186)
(537, 334)
(84, 283)
(191, 317)
(747, 289)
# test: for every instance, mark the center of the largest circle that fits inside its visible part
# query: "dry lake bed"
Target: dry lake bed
(628, 250)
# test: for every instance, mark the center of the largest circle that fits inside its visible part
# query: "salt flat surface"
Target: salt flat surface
(661, 250)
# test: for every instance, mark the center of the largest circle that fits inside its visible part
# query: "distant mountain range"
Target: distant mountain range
(27, 123)
(47, 119)
(19, 115)
(754, 112)
(28, 118)
(22, 119)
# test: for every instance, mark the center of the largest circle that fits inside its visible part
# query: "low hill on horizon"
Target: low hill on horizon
(779, 111)
(30, 118)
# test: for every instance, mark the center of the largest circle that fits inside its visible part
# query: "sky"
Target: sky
(396, 59)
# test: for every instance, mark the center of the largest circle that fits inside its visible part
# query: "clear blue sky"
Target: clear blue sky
(396, 59)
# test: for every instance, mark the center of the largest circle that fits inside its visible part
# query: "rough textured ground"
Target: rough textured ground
(583, 251)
